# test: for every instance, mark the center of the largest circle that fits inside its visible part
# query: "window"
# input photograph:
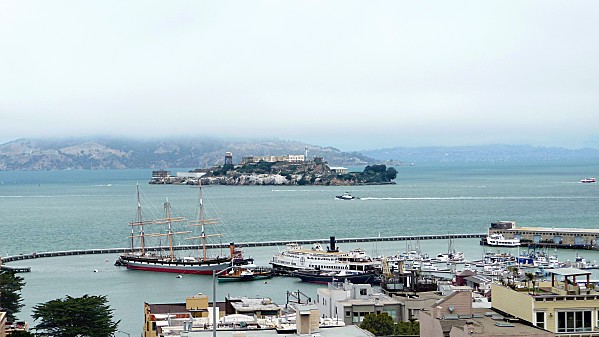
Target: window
(540, 319)
(574, 321)
(392, 313)
(348, 314)
(363, 292)
(359, 317)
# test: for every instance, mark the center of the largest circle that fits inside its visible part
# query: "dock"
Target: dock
(15, 269)
(548, 237)
(36, 255)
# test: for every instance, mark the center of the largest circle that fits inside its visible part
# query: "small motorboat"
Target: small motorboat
(345, 196)
(588, 180)
(246, 274)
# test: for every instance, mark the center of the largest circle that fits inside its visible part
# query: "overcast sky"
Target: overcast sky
(351, 74)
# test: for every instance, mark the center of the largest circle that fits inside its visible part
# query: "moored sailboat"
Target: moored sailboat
(145, 258)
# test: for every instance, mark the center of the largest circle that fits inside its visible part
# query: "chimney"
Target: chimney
(332, 247)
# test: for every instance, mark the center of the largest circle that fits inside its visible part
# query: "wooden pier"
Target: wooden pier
(243, 245)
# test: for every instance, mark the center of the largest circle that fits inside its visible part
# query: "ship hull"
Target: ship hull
(366, 278)
(243, 278)
(176, 267)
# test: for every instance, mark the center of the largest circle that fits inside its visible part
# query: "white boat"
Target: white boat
(499, 240)
(588, 180)
(494, 270)
(345, 196)
(427, 266)
(295, 258)
(582, 263)
(452, 256)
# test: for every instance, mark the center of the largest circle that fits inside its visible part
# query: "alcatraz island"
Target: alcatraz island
(278, 170)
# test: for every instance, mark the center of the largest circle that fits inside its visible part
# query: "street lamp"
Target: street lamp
(214, 275)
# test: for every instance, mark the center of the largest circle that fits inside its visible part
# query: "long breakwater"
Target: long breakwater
(36, 255)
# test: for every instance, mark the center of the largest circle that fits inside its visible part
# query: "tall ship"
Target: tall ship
(163, 258)
(295, 258)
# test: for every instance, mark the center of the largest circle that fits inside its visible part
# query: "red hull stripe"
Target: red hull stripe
(172, 270)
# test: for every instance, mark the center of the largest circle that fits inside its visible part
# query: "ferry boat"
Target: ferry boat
(141, 258)
(588, 180)
(295, 257)
(499, 241)
(345, 196)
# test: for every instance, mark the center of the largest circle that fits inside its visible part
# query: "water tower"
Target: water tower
(228, 158)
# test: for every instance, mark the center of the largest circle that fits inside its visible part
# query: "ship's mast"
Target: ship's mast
(203, 235)
(139, 223)
(202, 222)
(167, 212)
(141, 226)
(168, 220)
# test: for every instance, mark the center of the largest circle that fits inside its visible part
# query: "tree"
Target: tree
(87, 316)
(10, 294)
(530, 278)
(390, 173)
(409, 328)
(378, 324)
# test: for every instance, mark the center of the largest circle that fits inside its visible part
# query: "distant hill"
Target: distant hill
(120, 153)
(487, 153)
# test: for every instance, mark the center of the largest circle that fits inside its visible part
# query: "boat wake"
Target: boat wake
(478, 198)
(292, 190)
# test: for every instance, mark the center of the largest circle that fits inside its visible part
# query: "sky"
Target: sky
(354, 75)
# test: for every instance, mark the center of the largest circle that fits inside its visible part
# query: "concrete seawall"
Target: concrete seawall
(36, 255)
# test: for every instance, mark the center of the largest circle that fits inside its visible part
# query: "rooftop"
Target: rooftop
(488, 322)
(569, 272)
(556, 230)
(345, 331)
(244, 304)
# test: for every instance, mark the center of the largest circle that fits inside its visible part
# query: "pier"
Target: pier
(15, 269)
(36, 255)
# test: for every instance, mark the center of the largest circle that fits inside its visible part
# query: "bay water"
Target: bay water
(65, 210)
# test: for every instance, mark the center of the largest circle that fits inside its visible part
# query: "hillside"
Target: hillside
(487, 153)
(121, 153)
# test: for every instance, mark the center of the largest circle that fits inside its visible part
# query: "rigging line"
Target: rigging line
(228, 230)
(149, 206)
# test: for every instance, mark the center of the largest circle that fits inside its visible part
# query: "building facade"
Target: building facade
(574, 237)
(567, 305)
(350, 303)
(292, 158)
